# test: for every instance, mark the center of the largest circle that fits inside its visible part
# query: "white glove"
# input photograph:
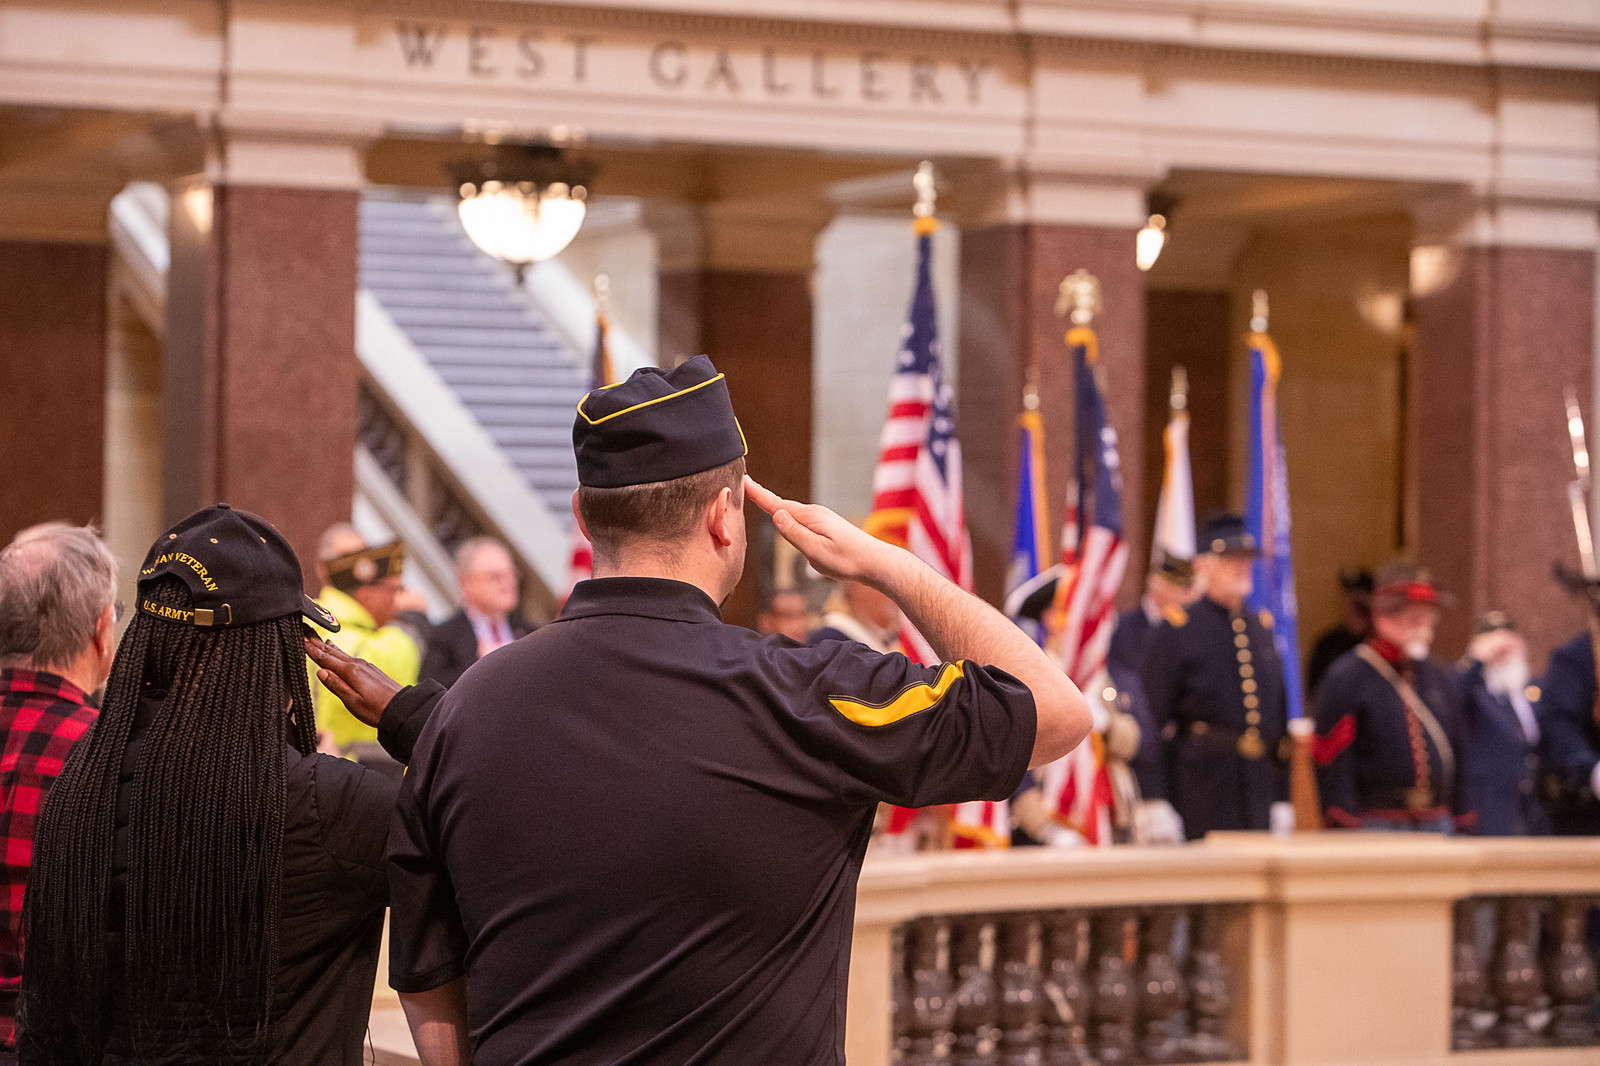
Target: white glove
(1155, 822)
(1280, 819)
(1059, 836)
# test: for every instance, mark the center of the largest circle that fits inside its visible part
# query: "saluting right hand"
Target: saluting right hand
(361, 687)
(833, 546)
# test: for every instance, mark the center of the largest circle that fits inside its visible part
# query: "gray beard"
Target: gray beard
(1506, 677)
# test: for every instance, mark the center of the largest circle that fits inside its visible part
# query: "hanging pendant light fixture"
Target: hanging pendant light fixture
(522, 204)
(1152, 238)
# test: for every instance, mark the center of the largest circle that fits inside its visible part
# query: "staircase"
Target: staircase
(496, 351)
(468, 384)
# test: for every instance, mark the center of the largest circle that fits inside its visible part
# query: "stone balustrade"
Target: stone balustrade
(1325, 948)
(1328, 948)
(1523, 973)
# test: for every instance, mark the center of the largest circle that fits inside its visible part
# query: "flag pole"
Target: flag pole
(1578, 496)
(1302, 769)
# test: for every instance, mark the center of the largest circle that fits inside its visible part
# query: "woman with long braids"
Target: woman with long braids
(206, 888)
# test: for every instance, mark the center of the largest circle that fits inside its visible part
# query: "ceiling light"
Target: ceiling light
(522, 204)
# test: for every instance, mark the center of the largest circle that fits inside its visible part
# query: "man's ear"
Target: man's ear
(578, 516)
(105, 632)
(721, 516)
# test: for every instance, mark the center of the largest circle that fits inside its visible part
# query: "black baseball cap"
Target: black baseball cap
(659, 425)
(238, 569)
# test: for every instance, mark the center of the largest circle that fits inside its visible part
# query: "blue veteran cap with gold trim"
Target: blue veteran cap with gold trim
(238, 568)
(658, 425)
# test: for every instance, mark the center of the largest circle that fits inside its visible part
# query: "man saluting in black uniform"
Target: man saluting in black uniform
(634, 836)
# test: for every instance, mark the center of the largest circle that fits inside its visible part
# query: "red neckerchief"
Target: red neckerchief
(1392, 655)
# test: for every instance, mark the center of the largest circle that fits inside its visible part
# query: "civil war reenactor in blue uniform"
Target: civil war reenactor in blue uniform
(1214, 684)
(1500, 765)
(1569, 728)
(636, 833)
(1389, 720)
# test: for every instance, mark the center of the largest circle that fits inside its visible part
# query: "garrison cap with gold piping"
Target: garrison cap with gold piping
(354, 570)
(658, 425)
(238, 568)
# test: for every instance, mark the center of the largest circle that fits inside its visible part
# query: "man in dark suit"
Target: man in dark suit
(1500, 765)
(1570, 734)
(486, 621)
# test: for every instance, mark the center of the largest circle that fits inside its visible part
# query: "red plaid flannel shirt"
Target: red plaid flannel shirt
(41, 717)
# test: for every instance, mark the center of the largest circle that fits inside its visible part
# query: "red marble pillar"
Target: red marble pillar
(756, 326)
(1192, 329)
(260, 371)
(1495, 349)
(52, 382)
(1010, 276)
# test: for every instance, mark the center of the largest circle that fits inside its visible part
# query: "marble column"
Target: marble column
(1191, 328)
(52, 381)
(735, 284)
(1504, 313)
(1011, 270)
(260, 373)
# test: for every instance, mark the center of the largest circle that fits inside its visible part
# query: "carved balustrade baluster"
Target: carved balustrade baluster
(977, 999)
(1469, 983)
(932, 1005)
(1570, 975)
(1022, 996)
(1068, 993)
(899, 999)
(1116, 997)
(1518, 983)
(1163, 993)
(1210, 989)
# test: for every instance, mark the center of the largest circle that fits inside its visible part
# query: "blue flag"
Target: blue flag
(1267, 516)
(1031, 538)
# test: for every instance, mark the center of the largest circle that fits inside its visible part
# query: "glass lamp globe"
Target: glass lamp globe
(520, 223)
(1148, 244)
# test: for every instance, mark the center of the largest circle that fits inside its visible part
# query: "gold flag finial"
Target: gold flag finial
(927, 194)
(1180, 389)
(1080, 297)
(1258, 311)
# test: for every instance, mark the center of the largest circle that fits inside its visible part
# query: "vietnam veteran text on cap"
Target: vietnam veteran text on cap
(658, 425)
(238, 568)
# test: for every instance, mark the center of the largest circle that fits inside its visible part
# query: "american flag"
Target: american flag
(600, 375)
(1094, 558)
(916, 501)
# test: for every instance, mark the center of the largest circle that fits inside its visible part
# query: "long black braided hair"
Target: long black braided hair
(204, 850)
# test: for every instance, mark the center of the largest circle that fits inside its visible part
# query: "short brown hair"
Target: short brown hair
(658, 515)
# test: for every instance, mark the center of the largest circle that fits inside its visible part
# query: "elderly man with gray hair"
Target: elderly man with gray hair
(57, 637)
(487, 619)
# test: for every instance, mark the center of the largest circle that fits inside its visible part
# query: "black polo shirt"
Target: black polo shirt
(638, 831)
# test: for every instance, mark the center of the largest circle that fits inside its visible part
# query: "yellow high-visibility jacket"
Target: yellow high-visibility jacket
(389, 648)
